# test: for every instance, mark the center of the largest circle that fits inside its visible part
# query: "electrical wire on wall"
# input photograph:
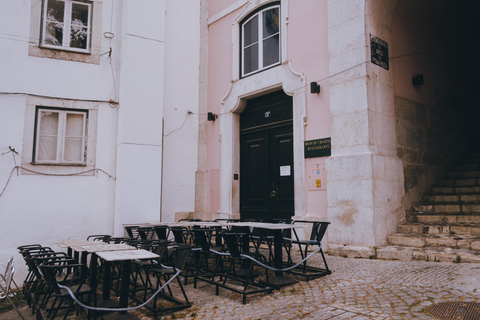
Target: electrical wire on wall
(17, 167)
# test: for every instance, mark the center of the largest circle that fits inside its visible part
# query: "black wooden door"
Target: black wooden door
(266, 160)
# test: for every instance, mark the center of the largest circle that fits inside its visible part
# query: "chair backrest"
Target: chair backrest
(99, 237)
(180, 255)
(318, 230)
(68, 273)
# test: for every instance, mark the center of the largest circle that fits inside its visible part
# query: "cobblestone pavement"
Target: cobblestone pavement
(356, 289)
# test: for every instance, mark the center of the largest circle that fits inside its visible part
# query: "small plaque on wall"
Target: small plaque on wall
(379, 52)
(318, 148)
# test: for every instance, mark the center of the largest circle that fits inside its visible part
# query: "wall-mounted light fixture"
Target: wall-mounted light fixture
(417, 80)
(314, 87)
(211, 116)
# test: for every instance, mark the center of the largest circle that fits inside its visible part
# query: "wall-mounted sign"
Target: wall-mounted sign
(285, 171)
(379, 52)
(318, 148)
(317, 176)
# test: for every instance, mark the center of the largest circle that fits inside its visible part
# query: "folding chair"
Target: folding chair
(6, 291)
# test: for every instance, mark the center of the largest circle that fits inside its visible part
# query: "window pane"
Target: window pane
(47, 137)
(270, 22)
(73, 149)
(47, 148)
(78, 37)
(54, 34)
(250, 59)
(271, 51)
(55, 10)
(74, 126)
(48, 123)
(250, 32)
(79, 14)
(74, 129)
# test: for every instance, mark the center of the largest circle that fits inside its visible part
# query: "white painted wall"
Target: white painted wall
(181, 93)
(139, 145)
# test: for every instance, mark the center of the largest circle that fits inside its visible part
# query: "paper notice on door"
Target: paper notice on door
(285, 171)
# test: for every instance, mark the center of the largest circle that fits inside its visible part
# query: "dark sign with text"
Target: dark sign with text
(318, 148)
(379, 52)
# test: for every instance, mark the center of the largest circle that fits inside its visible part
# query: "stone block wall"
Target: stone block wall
(428, 143)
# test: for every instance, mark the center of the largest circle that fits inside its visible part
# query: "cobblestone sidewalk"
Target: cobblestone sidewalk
(357, 289)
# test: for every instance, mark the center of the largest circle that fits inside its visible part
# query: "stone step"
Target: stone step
(439, 240)
(452, 229)
(456, 219)
(463, 174)
(466, 167)
(456, 190)
(467, 208)
(472, 182)
(451, 198)
(428, 254)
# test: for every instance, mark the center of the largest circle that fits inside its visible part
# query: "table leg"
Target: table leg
(279, 280)
(127, 266)
(107, 280)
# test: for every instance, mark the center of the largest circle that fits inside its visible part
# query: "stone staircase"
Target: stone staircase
(445, 226)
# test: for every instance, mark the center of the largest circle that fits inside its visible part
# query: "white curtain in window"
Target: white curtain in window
(48, 137)
(74, 137)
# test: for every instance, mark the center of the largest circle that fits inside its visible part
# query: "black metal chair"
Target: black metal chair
(317, 232)
(141, 268)
(176, 264)
(244, 274)
(71, 275)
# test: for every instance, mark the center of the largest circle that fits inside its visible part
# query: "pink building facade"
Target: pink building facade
(347, 151)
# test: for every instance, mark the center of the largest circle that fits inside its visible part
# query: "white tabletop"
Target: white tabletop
(67, 243)
(104, 247)
(263, 225)
(127, 255)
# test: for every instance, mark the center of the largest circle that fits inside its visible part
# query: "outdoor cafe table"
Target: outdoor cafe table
(126, 256)
(279, 280)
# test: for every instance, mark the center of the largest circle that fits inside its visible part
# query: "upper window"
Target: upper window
(260, 46)
(60, 136)
(66, 25)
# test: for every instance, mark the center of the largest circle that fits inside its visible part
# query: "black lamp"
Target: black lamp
(211, 116)
(314, 87)
(417, 80)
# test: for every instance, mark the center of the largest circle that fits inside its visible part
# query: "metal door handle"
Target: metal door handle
(272, 194)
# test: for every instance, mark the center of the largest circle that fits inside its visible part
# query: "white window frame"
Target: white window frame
(61, 135)
(67, 26)
(261, 67)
